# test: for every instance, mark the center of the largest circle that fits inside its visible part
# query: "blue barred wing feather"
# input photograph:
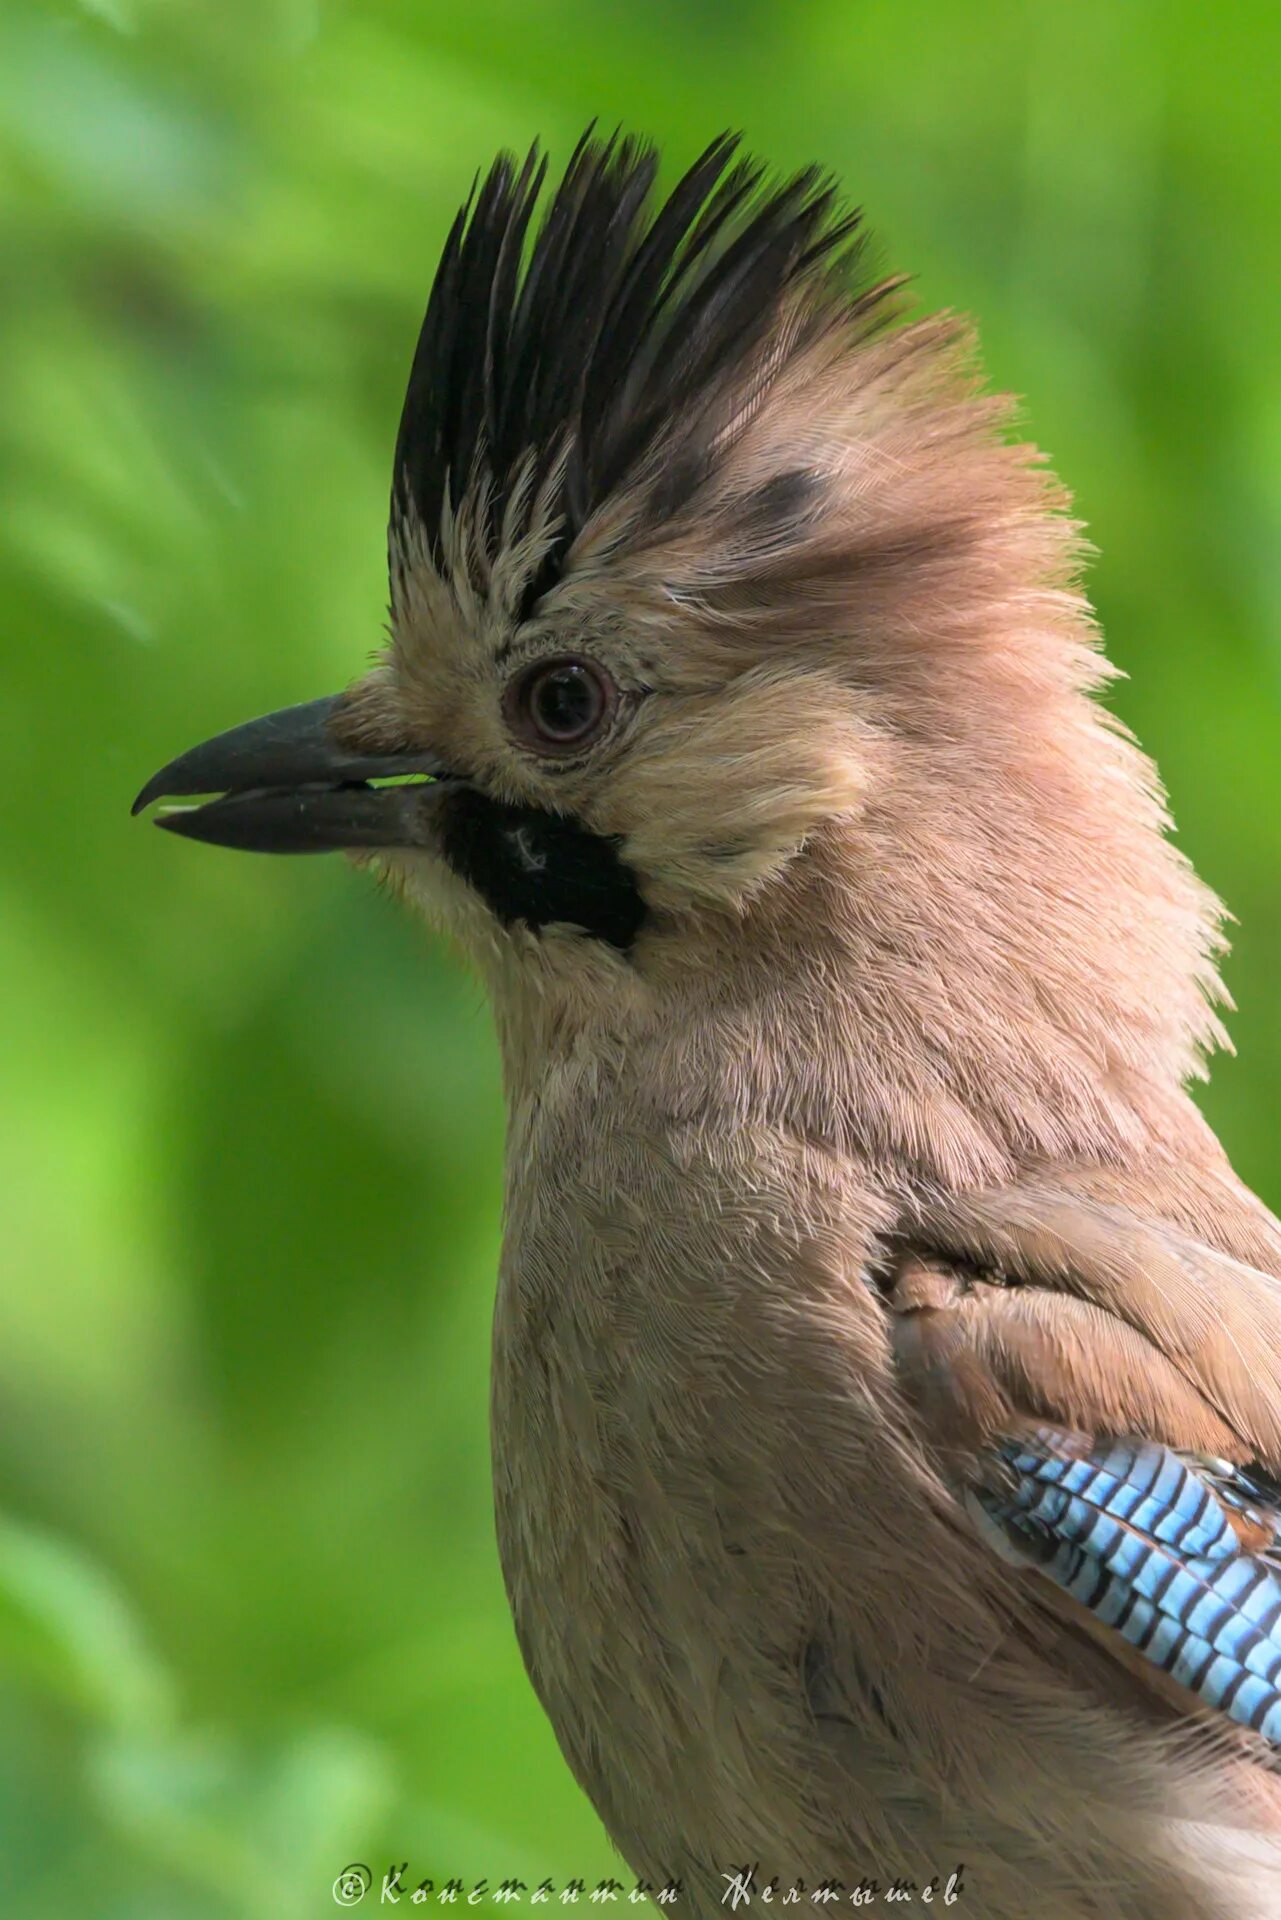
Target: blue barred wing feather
(1177, 1555)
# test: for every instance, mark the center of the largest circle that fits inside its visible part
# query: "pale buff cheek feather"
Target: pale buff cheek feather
(721, 797)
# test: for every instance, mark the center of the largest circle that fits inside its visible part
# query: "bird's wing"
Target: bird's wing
(1106, 1392)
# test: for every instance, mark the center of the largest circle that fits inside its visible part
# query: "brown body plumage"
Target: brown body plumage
(848, 988)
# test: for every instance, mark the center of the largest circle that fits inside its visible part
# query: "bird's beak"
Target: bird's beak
(287, 785)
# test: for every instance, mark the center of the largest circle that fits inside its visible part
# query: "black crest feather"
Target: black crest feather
(613, 332)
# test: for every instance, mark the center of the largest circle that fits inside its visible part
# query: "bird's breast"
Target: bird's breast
(650, 1540)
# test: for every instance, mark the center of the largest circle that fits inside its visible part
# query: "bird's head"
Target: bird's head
(728, 622)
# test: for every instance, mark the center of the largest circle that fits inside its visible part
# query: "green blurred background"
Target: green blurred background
(251, 1622)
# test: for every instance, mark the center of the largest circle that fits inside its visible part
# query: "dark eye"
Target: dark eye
(560, 704)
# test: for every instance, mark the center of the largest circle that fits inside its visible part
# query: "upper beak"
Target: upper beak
(288, 786)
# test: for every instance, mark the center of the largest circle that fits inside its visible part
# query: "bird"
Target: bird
(886, 1369)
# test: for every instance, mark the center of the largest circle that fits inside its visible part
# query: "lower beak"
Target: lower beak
(287, 785)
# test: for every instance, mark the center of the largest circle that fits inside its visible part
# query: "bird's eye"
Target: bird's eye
(558, 705)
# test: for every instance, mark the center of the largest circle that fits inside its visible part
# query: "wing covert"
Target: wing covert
(1145, 1544)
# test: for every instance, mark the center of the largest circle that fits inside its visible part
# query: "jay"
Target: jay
(887, 1360)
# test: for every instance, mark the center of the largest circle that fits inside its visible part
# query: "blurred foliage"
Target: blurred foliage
(251, 1623)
